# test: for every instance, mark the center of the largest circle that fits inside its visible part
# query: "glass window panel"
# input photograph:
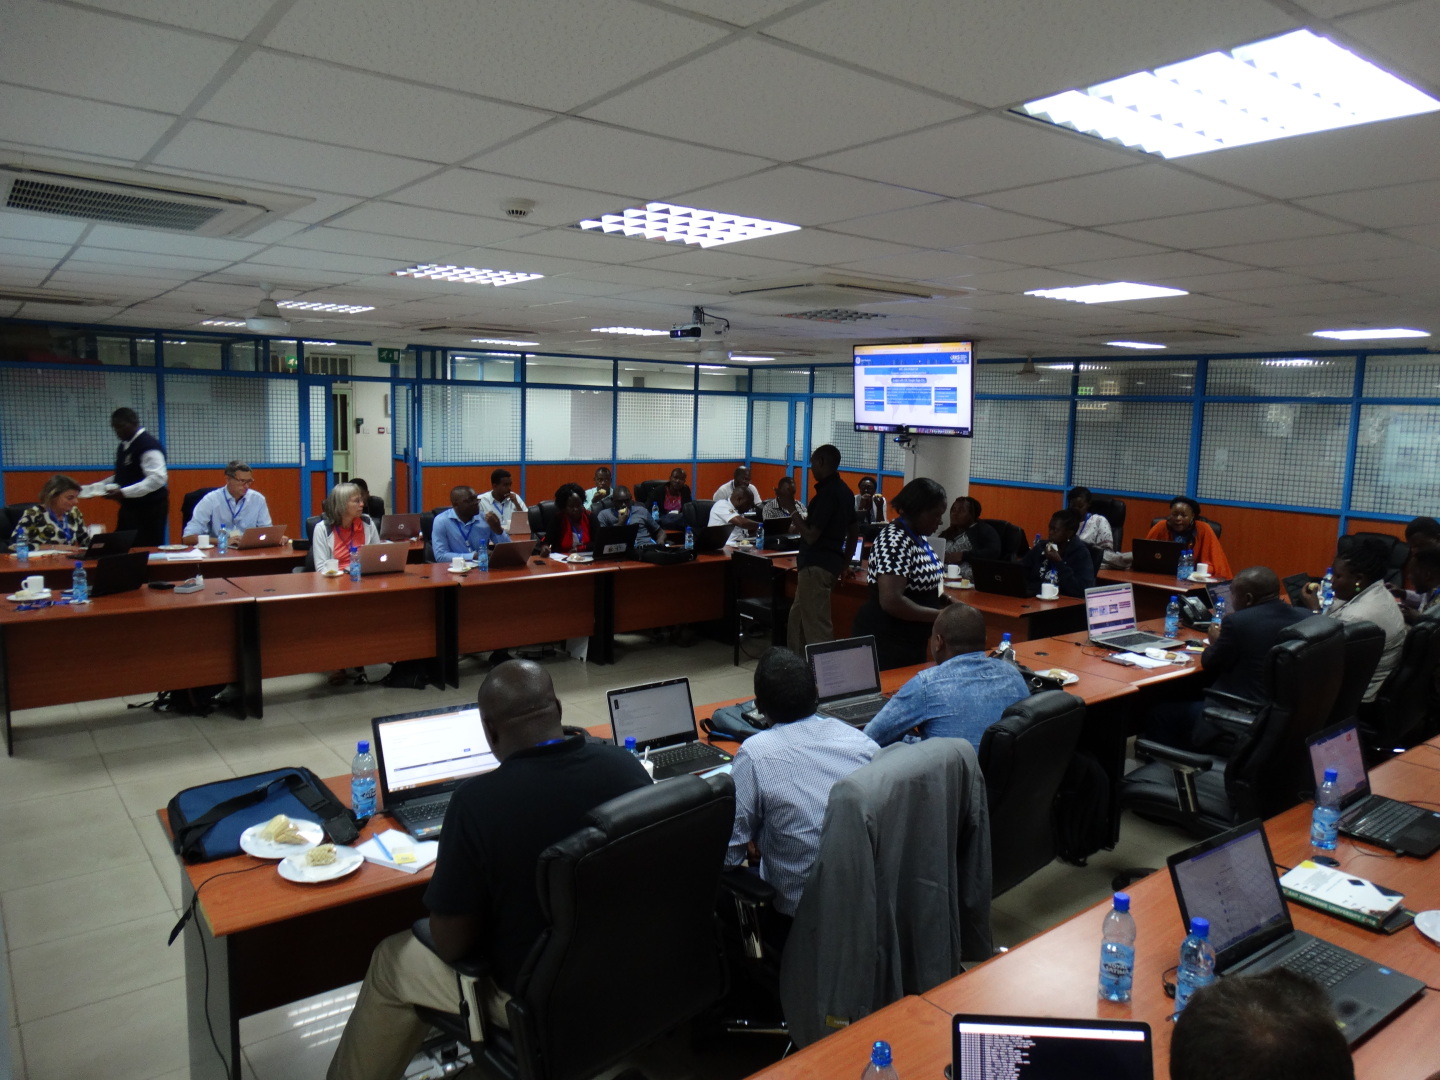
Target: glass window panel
(245, 356)
(400, 413)
(484, 367)
(656, 426)
(770, 429)
(34, 342)
(1291, 453)
(212, 419)
(1001, 379)
(635, 375)
(569, 370)
(470, 423)
(835, 380)
(568, 425)
(894, 455)
(722, 428)
(722, 377)
(832, 420)
(182, 353)
(1132, 445)
(319, 423)
(1397, 460)
(1402, 376)
(1299, 377)
(1137, 377)
(284, 358)
(769, 380)
(61, 418)
(1020, 440)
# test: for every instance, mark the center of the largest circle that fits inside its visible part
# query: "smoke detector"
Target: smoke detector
(518, 208)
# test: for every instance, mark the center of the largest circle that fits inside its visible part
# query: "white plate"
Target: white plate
(23, 598)
(1428, 923)
(296, 869)
(581, 558)
(251, 844)
(332, 573)
(174, 547)
(958, 583)
(1067, 678)
(462, 570)
(1204, 579)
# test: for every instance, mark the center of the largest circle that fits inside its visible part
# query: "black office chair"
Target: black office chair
(310, 523)
(1215, 526)
(1012, 538)
(632, 948)
(1269, 767)
(1397, 552)
(542, 516)
(1112, 509)
(427, 522)
(648, 491)
(1407, 708)
(1024, 756)
(1364, 642)
(759, 596)
(696, 513)
(188, 504)
(10, 517)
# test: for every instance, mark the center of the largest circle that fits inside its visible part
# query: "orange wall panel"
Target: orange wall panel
(318, 491)
(437, 480)
(400, 478)
(24, 487)
(1389, 528)
(765, 477)
(710, 475)
(1027, 507)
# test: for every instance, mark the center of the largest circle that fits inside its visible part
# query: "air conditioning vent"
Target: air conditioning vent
(137, 199)
(46, 296)
(835, 315)
(833, 292)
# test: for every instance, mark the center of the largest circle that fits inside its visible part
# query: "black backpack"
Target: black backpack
(1081, 814)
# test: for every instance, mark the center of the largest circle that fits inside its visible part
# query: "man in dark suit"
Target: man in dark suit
(1235, 658)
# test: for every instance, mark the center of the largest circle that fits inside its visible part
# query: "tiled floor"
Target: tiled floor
(89, 888)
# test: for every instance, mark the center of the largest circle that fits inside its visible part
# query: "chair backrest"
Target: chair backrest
(1405, 710)
(648, 491)
(188, 504)
(1271, 767)
(12, 515)
(542, 515)
(755, 578)
(1012, 537)
(310, 523)
(697, 513)
(1215, 526)
(631, 949)
(1112, 509)
(427, 522)
(1397, 552)
(1024, 755)
(1364, 642)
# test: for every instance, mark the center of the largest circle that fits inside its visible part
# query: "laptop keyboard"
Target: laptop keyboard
(1130, 641)
(856, 710)
(684, 754)
(424, 812)
(1324, 963)
(1385, 820)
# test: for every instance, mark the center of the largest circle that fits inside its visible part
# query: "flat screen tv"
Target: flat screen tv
(915, 389)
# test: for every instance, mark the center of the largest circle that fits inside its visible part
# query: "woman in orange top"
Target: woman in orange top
(1183, 526)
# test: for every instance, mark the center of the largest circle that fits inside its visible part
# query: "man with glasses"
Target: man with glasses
(234, 507)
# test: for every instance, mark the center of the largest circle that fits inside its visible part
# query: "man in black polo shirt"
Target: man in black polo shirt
(143, 494)
(482, 899)
(821, 558)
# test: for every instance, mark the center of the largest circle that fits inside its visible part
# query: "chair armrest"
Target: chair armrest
(1231, 713)
(1233, 701)
(746, 886)
(1175, 759)
(475, 968)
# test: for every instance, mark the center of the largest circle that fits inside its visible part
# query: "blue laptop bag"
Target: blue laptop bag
(207, 820)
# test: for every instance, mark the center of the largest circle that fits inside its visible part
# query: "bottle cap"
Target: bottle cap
(1174, 599)
(1200, 927)
(1122, 901)
(79, 565)
(1331, 775)
(1005, 636)
(629, 742)
(880, 1053)
(363, 746)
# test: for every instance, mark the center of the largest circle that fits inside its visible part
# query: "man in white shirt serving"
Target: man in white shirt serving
(140, 480)
(234, 507)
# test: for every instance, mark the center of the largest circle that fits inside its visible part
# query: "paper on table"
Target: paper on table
(399, 844)
(1140, 660)
(193, 555)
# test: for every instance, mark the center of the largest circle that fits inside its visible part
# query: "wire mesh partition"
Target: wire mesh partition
(834, 380)
(569, 425)
(471, 423)
(319, 428)
(780, 380)
(1145, 442)
(1294, 376)
(721, 431)
(1402, 377)
(655, 426)
(1287, 453)
(1020, 441)
(61, 417)
(217, 418)
(770, 429)
(1397, 460)
(832, 420)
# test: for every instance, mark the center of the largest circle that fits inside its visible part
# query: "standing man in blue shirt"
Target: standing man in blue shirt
(461, 530)
(143, 492)
(234, 507)
(962, 695)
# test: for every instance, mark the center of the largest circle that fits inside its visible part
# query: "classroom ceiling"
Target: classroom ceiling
(883, 129)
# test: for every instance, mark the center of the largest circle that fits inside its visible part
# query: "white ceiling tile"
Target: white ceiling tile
(1142, 191)
(1021, 281)
(949, 224)
(165, 243)
(724, 263)
(439, 226)
(1429, 235)
(226, 151)
(736, 12)
(1060, 248)
(552, 53)
(984, 153)
(275, 232)
(1401, 39)
(727, 97)
(1245, 224)
(1329, 9)
(66, 49)
(1211, 284)
(394, 248)
(232, 19)
(1383, 207)
(56, 123)
(44, 227)
(804, 196)
(928, 266)
(588, 246)
(1343, 247)
(597, 157)
(1424, 266)
(36, 248)
(96, 263)
(1002, 54)
(324, 207)
(484, 194)
(1285, 295)
(324, 260)
(158, 260)
(642, 277)
(821, 248)
(1172, 268)
(362, 110)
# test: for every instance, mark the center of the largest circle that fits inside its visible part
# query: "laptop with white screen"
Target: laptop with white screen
(1230, 880)
(423, 757)
(661, 718)
(847, 677)
(1110, 620)
(1388, 823)
(1042, 1048)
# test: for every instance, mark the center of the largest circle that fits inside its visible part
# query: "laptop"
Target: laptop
(1230, 880)
(400, 527)
(780, 541)
(1000, 577)
(661, 717)
(1110, 620)
(615, 542)
(847, 676)
(423, 757)
(384, 558)
(262, 537)
(1156, 556)
(1388, 823)
(1044, 1048)
(119, 573)
(512, 553)
(111, 543)
(712, 537)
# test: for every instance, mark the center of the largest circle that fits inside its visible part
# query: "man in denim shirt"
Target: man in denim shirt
(962, 695)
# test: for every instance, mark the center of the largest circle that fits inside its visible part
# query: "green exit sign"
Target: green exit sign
(389, 356)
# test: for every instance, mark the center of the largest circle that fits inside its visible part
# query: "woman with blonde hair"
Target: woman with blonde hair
(344, 528)
(56, 522)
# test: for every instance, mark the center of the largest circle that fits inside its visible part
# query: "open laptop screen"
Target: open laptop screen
(657, 714)
(846, 668)
(1111, 607)
(1230, 880)
(437, 747)
(1039, 1048)
(1339, 748)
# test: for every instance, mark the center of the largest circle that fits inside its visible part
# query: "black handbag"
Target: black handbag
(664, 555)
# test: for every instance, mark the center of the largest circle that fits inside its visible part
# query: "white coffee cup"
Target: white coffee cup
(33, 584)
(952, 572)
(332, 566)
(1049, 591)
(1202, 569)
(203, 540)
(457, 563)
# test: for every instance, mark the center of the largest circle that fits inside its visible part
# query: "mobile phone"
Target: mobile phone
(1118, 660)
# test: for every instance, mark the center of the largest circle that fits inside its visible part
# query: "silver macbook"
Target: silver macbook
(400, 527)
(423, 757)
(262, 536)
(661, 717)
(1043, 1048)
(384, 558)
(1110, 620)
(847, 678)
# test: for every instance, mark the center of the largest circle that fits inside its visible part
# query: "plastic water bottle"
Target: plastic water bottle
(22, 551)
(1005, 650)
(760, 537)
(655, 511)
(880, 1067)
(354, 563)
(79, 584)
(1117, 951)
(630, 745)
(222, 541)
(1172, 617)
(1197, 963)
(362, 780)
(1218, 616)
(1325, 821)
(482, 557)
(1186, 566)
(1327, 589)
(689, 538)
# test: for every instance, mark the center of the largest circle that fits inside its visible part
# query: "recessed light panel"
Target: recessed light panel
(313, 305)
(224, 322)
(502, 341)
(1295, 84)
(1135, 344)
(685, 225)
(470, 275)
(633, 331)
(752, 359)
(1370, 335)
(1107, 294)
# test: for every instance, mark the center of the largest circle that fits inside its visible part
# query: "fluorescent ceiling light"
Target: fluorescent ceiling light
(634, 331)
(1295, 84)
(469, 275)
(685, 225)
(501, 341)
(1295, 361)
(307, 341)
(315, 305)
(1135, 344)
(224, 322)
(1370, 335)
(752, 359)
(1107, 294)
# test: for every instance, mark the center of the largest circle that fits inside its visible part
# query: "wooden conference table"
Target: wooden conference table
(1152, 591)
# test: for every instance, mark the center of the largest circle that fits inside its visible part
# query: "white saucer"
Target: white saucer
(1204, 579)
(1428, 923)
(332, 573)
(174, 547)
(29, 598)
(1067, 678)
(296, 869)
(462, 570)
(577, 559)
(958, 583)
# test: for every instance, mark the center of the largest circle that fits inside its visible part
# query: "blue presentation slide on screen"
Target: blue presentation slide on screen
(916, 388)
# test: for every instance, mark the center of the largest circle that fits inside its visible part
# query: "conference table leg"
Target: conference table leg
(252, 697)
(212, 1023)
(602, 642)
(5, 691)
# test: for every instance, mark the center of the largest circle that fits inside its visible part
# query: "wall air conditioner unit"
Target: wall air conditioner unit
(136, 199)
(821, 291)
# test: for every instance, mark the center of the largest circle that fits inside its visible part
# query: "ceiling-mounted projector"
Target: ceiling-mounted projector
(699, 331)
